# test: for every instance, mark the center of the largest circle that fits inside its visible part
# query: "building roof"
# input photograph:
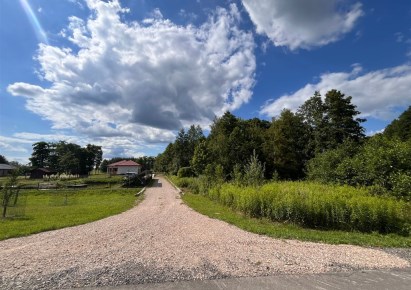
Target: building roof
(6, 167)
(45, 170)
(124, 163)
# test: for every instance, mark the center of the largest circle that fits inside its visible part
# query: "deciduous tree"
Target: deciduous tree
(3, 160)
(285, 145)
(201, 158)
(401, 127)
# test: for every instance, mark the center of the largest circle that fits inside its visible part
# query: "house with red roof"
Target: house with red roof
(123, 167)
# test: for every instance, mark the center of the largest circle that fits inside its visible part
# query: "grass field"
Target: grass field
(44, 210)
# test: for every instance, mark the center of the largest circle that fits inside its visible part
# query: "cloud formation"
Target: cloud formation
(302, 23)
(141, 79)
(376, 94)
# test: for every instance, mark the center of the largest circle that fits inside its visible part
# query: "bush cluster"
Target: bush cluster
(185, 172)
(182, 182)
(380, 163)
(102, 180)
(318, 206)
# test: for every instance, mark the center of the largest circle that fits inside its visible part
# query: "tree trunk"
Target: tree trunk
(5, 202)
(4, 210)
(16, 196)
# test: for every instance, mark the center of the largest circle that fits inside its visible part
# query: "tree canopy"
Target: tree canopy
(283, 146)
(68, 158)
(3, 160)
(401, 127)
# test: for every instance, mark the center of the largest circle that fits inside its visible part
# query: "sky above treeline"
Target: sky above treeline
(128, 74)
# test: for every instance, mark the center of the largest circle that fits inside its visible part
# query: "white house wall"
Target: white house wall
(125, 169)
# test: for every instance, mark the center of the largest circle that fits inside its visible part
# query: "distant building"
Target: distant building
(39, 173)
(122, 167)
(5, 169)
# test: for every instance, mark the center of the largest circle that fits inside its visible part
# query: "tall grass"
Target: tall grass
(264, 226)
(185, 182)
(318, 206)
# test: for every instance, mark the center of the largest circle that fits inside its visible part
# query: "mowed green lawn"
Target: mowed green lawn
(49, 210)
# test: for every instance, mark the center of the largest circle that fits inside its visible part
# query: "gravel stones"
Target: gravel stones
(163, 240)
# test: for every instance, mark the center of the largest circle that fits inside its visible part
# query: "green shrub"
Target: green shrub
(183, 182)
(237, 175)
(379, 163)
(254, 171)
(196, 185)
(213, 176)
(324, 167)
(218, 176)
(185, 172)
(103, 179)
(401, 184)
(204, 184)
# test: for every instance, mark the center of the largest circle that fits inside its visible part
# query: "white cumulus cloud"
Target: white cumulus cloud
(141, 80)
(376, 93)
(303, 23)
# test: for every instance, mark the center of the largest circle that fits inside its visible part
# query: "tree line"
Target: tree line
(293, 146)
(71, 158)
(68, 158)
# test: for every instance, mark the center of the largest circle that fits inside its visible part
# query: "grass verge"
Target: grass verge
(55, 209)
(212, 209)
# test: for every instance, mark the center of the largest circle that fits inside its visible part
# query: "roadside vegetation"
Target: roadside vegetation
(286, 230)
(305, 210)
(312, 174)
(314, 205)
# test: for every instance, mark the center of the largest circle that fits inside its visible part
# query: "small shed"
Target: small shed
(123, 167)
(5, 169)
(39, 173)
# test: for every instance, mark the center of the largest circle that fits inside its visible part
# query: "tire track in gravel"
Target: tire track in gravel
(161, 240)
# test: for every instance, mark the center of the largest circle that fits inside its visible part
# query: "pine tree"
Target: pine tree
(341, 121)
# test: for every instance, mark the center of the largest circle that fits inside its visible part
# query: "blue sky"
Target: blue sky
(127, 74)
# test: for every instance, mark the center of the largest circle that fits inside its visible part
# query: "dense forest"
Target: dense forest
(323, 141)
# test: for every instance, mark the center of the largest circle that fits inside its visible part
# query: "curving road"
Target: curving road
(163, 240)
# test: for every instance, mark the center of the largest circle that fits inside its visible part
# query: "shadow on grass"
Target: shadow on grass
(16, 218)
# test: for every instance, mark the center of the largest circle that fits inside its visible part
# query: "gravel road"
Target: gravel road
(163, 240)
